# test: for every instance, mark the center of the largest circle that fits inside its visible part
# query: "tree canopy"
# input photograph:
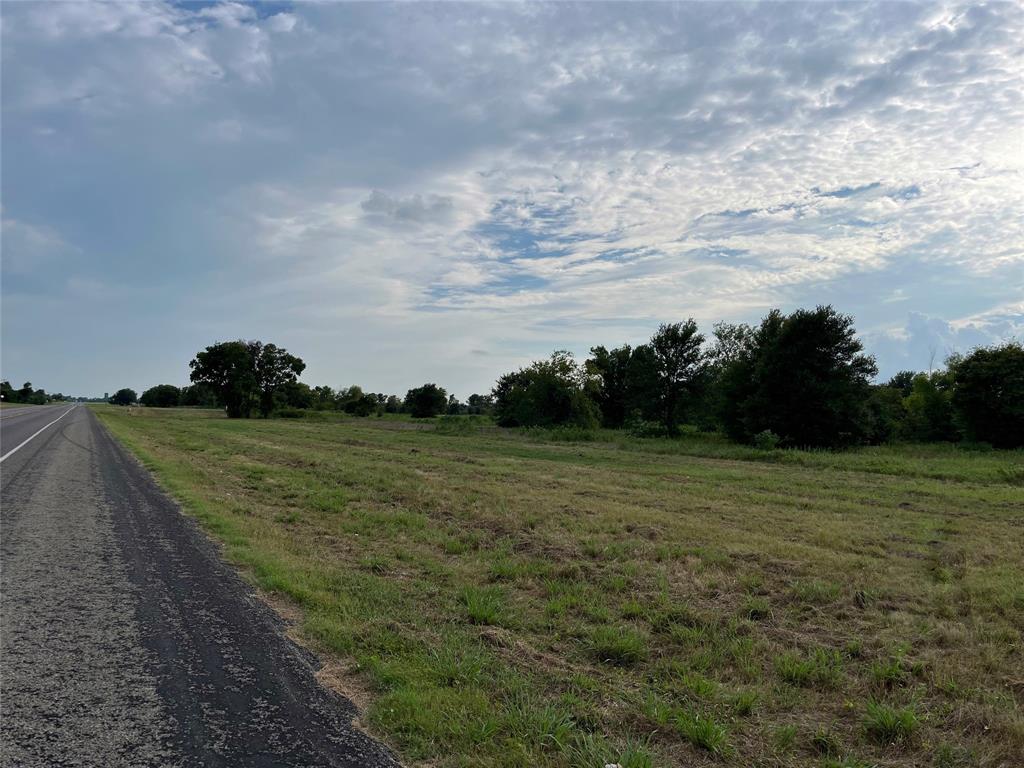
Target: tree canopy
(245, 375)
(161, 396)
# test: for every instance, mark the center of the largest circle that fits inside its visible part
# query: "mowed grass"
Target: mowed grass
(511, 599)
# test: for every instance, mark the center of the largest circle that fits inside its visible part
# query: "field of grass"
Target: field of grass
(559, 599)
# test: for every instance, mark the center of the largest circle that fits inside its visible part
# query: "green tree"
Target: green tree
(929, 409)
(25, 393)
(547, 393)
(886, 414)
(294, 394)
(199, 396)
(609, 372)
(10, 394)
(273, 368)
(426, 401)
(988, 394)
(228, 368)
(124, 397)
(902, 382)
(804, 377)
(681, 370)
(479, 404)
(161, 396)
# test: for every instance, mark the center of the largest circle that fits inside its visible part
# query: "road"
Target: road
(124, 639)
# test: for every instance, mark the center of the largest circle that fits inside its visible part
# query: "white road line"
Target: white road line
(27, 441)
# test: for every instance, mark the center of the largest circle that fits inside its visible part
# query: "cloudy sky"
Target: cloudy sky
(414, 192)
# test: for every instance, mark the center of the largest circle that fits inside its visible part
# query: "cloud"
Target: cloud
(529, 176)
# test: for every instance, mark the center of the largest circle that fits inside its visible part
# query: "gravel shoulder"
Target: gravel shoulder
(127, 641)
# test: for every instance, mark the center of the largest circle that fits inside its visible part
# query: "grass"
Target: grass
(569, 599)
(887, 725)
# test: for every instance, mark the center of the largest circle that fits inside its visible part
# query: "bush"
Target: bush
(766, 440)
(547, 394)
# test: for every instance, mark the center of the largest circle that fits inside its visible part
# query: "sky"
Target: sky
(402, 193)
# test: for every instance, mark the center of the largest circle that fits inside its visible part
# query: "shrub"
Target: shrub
(766, 440)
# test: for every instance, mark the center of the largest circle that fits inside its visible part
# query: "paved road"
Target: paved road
(124, 641)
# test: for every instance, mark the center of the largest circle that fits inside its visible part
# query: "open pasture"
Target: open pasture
(498, 598)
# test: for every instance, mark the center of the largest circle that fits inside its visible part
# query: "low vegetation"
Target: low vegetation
(571, 597)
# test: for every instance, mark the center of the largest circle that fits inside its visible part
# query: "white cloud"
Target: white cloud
(555, 175)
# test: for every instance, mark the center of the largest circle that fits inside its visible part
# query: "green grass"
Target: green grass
(565, 598)
(887, 725)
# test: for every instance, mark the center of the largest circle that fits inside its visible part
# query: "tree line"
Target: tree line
(792, 380)
(31, 396)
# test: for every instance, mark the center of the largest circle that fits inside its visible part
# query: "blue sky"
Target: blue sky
(442, 192)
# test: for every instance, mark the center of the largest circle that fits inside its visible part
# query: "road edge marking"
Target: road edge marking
(29, 439)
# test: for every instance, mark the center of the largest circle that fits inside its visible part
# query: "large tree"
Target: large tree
(161, 396)
(988, 394)
(273, 368)
(124, 396)
(426, 401)
(609, 372)
(245, 375)
(228, 368)
(801, 376)
(681, 367)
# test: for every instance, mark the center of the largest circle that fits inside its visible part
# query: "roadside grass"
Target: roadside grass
(514, 598)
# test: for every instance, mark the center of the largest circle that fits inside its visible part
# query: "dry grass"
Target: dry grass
(510, 599)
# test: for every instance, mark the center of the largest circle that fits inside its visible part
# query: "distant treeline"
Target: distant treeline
(793, 380)
(31, 396)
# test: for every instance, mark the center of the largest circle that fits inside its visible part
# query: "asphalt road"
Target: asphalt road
(124, 640)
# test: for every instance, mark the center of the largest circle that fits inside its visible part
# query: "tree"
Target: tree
(294, 394)
(229, 369)
(245, 375)
(393, 404)
(609, 372)
(902, 382)
(199, 396)
(479, 404)
(273, 368)
(324, 398)
(161, 396)
(801, 376)
(886, 414)
(26, 392)
(454, 407)
(426, 401)
(10, 394)
(929, 409)
(124, 397)
(988, 394)
(681, 365)
(548, 393)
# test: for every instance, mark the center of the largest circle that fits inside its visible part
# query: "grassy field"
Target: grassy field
(557, 599)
